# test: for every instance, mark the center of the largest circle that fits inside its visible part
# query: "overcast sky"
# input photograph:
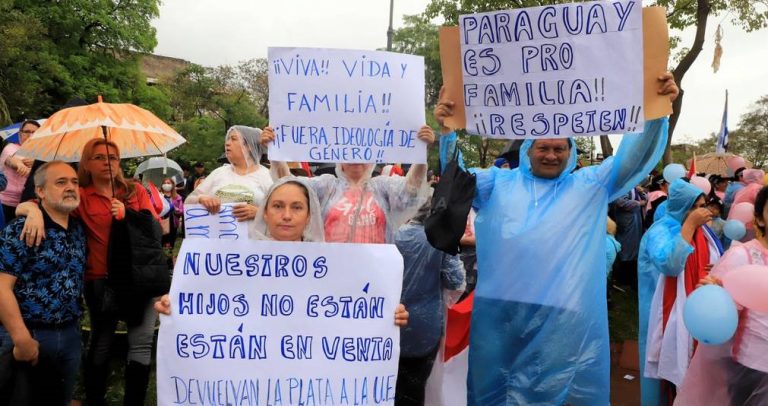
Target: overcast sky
(216, 32)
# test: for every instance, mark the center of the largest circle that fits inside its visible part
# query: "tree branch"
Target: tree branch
(702, 13)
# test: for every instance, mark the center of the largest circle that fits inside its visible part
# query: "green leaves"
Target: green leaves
(53, 51)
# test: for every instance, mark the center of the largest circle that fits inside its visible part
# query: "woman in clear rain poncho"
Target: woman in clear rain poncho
(243, 181)
(289, 211)
(357, 208)
(664, 251)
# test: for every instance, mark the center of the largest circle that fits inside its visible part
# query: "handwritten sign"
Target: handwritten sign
(267, 323)
(199, 223)
(331, 105)
(555, 71)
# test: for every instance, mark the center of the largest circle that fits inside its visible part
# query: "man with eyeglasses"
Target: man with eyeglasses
(20, 168)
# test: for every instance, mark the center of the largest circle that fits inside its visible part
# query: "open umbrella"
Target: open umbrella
(137, 132)
(11, 133)
(157, 168)
(713, 164)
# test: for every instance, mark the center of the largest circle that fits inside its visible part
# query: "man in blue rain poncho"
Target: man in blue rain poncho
(664, 250)
(539, 323)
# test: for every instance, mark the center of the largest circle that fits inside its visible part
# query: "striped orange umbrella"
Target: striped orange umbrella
(137, 132)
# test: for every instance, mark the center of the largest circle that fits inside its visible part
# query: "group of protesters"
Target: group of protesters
(539, 322)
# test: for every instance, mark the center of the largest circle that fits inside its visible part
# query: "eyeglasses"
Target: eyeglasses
(104, 158)
(27, 131)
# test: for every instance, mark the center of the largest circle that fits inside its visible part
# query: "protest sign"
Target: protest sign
(555, 71)
(199, 223)
(564, 19)
(267, 323)
(332, 105)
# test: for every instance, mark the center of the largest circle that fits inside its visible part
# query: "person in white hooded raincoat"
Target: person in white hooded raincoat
(539, 333)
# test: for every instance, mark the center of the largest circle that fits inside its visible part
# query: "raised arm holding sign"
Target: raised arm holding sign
(333, 105)
(539, 322)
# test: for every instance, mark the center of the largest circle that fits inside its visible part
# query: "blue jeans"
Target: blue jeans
(56, 369)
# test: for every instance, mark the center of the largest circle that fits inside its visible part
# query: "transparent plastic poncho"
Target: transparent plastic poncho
(399, 198)
(427, 274)
(539, 323)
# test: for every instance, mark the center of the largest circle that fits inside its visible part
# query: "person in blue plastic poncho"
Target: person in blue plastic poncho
(539, 322)
(663, 251)
(676, 253)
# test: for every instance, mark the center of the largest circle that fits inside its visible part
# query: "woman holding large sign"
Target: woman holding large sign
(290, 212)
(357, 208)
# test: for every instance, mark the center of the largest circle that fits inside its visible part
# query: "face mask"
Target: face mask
(166, 187)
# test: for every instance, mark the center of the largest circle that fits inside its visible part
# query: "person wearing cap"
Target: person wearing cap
(198, 172)
(657, 194)
(736, 184)
(719, 185)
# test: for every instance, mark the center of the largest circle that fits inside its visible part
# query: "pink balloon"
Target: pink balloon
(748, 285)
(735, 162)
(701, 183)
(744, 212)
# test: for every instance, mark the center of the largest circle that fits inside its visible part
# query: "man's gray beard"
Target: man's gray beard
(66, 206)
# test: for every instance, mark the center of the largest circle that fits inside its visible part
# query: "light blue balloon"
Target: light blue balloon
(710, 315)
(673, 171)
(734, 229)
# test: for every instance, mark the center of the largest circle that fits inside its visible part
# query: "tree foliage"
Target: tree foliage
(205, 102)
(419, 36)
(53, 51)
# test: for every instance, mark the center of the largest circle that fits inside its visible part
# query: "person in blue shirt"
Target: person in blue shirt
(539, 322)
(40, 289)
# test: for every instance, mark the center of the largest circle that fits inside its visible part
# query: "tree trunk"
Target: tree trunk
(703, 7)
(605, 145)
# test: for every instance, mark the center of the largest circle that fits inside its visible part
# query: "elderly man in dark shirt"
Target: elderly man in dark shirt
(40, 289)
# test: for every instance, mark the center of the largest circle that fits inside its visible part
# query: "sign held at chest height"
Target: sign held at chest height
(265, 322)
(555, 71)
(330, 105)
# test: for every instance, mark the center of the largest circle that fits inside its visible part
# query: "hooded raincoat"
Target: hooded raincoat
(540, 323)
(373, 210)
(666, 349)
(663, 251)
(427, 274)
(313, 232)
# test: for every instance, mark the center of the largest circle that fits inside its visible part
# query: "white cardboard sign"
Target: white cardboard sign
(554, 71)
(266, 323)
(334, 105)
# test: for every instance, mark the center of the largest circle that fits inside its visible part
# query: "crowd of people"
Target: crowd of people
(540, 238)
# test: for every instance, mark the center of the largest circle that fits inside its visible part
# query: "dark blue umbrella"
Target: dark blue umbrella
(11, 133)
